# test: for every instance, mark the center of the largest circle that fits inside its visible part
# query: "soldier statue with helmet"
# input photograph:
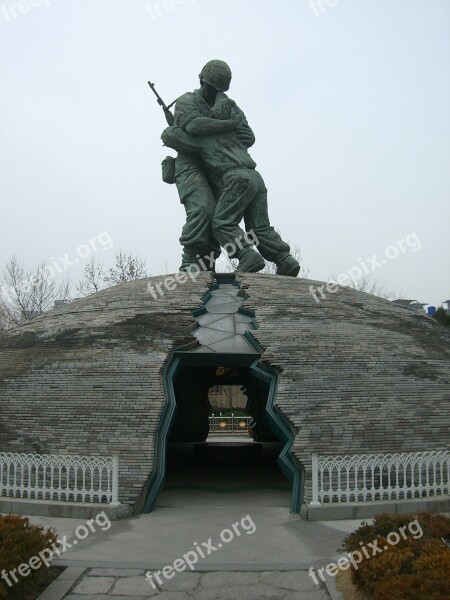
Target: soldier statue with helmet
(218, 194)
(199, 191)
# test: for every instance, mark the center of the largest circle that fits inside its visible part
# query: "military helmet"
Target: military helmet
(217, 74)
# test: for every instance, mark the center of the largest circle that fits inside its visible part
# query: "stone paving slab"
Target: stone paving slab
(95, 585)
(133, 586)
(63, 584)
(116, 572)
(186, 582)
(103, 597)
(266, 585)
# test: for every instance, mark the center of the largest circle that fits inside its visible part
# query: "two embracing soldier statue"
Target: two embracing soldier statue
(217, 180)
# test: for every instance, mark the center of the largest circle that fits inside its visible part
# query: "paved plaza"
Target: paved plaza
(270, 563)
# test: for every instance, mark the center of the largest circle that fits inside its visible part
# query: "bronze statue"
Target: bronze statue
(217, 180)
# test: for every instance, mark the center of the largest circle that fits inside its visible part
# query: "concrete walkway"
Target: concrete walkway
(268, 559)
(103, 584)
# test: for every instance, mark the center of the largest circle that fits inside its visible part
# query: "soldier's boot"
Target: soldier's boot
(249, 261)
(288, 266)
(189, 260)
(192, 260)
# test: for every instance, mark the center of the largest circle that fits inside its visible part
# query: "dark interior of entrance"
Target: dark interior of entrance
(241, 457)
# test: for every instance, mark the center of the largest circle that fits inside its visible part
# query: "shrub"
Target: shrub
(414, 568)
(428, 577)
(434, 526)
(20, 541)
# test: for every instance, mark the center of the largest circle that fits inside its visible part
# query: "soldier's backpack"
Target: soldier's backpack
(168, 169)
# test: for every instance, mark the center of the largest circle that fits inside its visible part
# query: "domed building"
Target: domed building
(127, 371)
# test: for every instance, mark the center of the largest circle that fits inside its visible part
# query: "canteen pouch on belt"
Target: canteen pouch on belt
(168, 169)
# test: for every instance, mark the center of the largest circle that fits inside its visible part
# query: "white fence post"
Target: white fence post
(315, 481)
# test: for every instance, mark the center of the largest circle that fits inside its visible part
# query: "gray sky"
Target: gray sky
(349, 101)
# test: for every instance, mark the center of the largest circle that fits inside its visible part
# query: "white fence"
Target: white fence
(233, 425)
(368, 477)
(59, 477)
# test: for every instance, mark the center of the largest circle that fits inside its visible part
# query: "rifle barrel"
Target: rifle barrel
(158, 97)
(169, 115)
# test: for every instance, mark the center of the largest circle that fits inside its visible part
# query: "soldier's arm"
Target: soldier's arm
(244, 131)
(209, 126)
(246, 135)
(174, 137)
(191, 121)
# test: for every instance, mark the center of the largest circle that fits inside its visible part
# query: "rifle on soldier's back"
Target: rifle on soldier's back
(168, 164)
(169, 116)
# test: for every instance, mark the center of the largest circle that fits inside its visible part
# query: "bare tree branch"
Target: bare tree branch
(372, 286)
(93, 278)
(26, 294)
(126, 268)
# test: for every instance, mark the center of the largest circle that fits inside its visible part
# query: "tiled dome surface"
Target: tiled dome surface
(357, 373)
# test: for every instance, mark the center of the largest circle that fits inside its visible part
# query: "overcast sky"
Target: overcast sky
(349, 101)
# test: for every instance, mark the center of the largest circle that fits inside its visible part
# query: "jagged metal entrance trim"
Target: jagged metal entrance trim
(285, 432)
(282, 428)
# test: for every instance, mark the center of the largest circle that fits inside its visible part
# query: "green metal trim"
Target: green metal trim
(281, 426)
(246, 312)
(178, 360)
(285, 431)
(199, 311)
(253, 343)
(225, 278)
(167, 418)
(206, 296)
